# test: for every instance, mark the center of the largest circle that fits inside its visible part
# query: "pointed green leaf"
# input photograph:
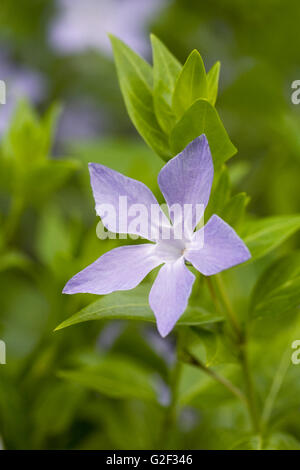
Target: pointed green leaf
(202, 118)
(213, 82)
(136, 82)
(166, 69)
(134, 305)
(220, 193)
(263, 235)
(191, 84)
(234, 209)
(115, 377)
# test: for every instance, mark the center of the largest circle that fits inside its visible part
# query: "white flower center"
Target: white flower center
(170, 250)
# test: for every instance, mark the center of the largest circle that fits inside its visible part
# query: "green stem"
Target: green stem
(191, 359)
(228, 307)
(171, 412)
(242, 344)
(275, 387)
(13, 218)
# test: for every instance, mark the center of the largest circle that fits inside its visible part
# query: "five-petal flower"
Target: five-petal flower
(185, 180)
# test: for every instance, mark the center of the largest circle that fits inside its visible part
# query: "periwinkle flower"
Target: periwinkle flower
(185, 180)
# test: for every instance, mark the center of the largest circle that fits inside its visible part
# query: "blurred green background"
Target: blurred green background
(56, 54)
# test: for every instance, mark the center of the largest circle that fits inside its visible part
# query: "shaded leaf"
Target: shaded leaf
(191, 84)
(263, 235)
(166, 69)
(213, 82)
(202, 118)
(133, 305)
(136, 82)
(234, 209)
(115, 377)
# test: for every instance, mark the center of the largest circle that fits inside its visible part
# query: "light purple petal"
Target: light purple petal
(122, 268)
(219, 249)
(170, 293)
(121, 201)
(187, 178)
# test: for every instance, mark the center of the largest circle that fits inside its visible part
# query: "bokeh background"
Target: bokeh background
(58, 52)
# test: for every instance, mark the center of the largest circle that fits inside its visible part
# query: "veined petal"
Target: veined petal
(125, 205)
(187, 178)
(170, 293)
(217, 249)
(122, 268)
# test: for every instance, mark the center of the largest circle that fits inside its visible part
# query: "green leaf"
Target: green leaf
(202, 118)
(166, 69)
(29, 138)
(276, 441)
(133, 305)
(136, 82)
(191, 84)
(47, 177)
(263, 235)
(218, 349)
(115, 377)
(278, 288)
(213, 82)
(219, 194)
(234, 209)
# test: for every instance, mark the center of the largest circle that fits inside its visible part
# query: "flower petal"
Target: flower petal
(187, 178)
(219, 249)
(170, 293)
(122, 268)
(124, 204)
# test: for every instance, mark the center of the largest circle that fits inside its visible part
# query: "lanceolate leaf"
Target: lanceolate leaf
(263, 235)
(133, 305)
(234, 209)
(191, 84)
(202, 118)
(213, 83)
(115, 377)
(278, 288)
(136, 82)
(166, 69)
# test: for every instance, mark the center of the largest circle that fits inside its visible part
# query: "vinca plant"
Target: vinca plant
(213, 285)
(150, 265)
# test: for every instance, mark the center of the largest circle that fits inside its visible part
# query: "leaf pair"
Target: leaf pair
(170, 105)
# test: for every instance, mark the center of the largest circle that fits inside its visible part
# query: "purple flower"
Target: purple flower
(184, 180)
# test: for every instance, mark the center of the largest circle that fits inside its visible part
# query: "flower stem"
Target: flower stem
(191, 359)
(242, 345)
(228, 307)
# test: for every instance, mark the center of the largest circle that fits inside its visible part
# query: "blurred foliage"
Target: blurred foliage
(106, 384)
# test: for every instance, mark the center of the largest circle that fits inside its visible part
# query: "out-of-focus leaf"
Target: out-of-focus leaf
(14, 259)
(220, 193)
(278, 288)
(166, 69)
(191, 84)
(48, 176)
(115, 377)
(218, 349)
(213, 82)
(276, 441)
(134, 305)
(263, 235)
(234, 209)
(136, 82)
(29, 138)
(202, 118)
